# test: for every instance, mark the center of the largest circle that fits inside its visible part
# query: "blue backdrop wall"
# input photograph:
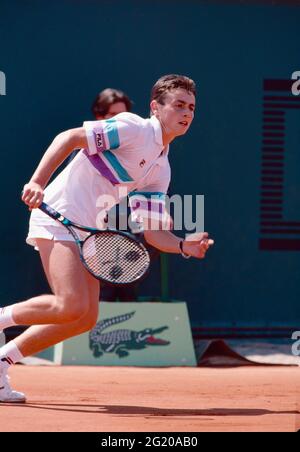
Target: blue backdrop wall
(57, 55)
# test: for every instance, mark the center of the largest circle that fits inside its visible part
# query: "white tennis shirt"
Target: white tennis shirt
(125, 156)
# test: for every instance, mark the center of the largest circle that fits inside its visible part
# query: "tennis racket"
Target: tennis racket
(112, 256)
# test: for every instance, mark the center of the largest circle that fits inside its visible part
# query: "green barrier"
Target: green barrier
(133, 334)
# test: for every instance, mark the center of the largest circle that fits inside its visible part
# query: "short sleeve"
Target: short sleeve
(110, 134)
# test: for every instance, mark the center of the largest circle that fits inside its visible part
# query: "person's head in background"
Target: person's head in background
(109, 103)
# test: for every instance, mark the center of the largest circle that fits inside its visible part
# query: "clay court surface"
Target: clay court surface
(127, 399)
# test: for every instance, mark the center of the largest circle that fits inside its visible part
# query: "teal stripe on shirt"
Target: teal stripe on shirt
(111, 130)
(121, 172)
(148, 194)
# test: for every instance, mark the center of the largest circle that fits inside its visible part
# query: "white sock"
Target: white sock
(9, 354)
(6, 317)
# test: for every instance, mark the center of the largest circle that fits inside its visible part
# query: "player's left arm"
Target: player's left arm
(149, 208)
(196, 246)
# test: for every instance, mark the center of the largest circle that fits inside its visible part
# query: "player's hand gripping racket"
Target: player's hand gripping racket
(112, 256)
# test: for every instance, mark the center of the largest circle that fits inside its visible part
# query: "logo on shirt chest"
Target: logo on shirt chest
(142, 163)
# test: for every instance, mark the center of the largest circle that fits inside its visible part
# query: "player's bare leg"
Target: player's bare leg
(75, 303)
(76, 300)
(70, 284)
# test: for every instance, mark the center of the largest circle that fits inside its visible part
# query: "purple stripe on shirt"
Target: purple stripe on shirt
(148, 206)
(98, 163)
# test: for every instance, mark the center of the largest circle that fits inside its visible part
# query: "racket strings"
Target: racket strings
(115, 258)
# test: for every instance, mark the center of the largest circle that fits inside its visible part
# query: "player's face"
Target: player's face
(177, 113)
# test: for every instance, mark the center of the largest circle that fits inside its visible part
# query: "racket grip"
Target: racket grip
(50, 211)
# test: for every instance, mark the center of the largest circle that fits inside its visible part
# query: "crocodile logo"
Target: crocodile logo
(123, 340)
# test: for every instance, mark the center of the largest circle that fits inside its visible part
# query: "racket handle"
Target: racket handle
(50, 211)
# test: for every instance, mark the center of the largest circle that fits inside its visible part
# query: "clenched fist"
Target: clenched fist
(196, 245)
(32, 195)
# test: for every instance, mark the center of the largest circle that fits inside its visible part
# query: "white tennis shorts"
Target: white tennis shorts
(58, 233)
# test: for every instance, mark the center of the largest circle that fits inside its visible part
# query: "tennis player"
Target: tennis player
(123, 155)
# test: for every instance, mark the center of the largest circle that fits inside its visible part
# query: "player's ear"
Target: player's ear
(154, 107)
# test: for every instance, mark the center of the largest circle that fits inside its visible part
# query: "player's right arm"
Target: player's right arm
(61, 147)
(95, 136)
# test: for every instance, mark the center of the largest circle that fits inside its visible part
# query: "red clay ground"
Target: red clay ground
(128, 399)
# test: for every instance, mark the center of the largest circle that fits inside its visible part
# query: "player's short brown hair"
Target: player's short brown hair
(170, 82)
(108, 97)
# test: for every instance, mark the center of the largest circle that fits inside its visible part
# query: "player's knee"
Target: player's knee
(88, 322)
(72, 308)
(85, 324)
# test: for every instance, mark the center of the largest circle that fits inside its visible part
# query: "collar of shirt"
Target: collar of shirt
(158, 135)
(157, 130)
